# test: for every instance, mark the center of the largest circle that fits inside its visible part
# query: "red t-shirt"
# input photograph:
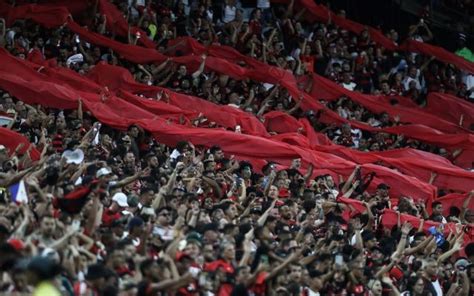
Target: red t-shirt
(108, 217)
(308, 61)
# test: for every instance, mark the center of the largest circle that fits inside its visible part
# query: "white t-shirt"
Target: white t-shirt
(469, 80)
(437, 287)
(175, 154)
(166, 234)
(263, 4)
(10, 36)
(408, 80)
(349, 86)
(139, 2)
(229, 14)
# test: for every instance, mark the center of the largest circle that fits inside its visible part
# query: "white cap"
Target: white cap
(2, 147)
(77, 58)
(148, 211)
(76, 156)
(267, 86)
(121, 199)
(103, 172)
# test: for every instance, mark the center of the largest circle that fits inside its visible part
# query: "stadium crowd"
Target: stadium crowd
(117, 212)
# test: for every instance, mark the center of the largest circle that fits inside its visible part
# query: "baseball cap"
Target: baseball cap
(43, 267)
(76, 156)
(17, 244)
(74, 59)
(133, 201)
(461, 264)
(121, 199)
(396, 273)
(135, 222)
(2, 147)
(97, 271)
(194, 237)
(103, 172)
(11, 111)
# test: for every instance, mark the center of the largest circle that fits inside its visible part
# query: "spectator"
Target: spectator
(117, 212)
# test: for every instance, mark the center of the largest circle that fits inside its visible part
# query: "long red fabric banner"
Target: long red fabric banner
(454, 200)
(331, 117)
(116, 78)
(12, 140)
(120, 114)
(62, 88)
(116, 23)
(451, 108)
(424, 126)
(412, 162)
(389, 219)
(274, 75)
(321, 13)
(118, 44)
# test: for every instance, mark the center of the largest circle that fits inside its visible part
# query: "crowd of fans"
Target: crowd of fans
(464, 6)
(114, 212)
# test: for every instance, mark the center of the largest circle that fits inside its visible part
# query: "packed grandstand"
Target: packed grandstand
(232, 147)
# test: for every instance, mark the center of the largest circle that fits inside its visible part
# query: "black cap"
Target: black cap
(135, 222)
(43, 267)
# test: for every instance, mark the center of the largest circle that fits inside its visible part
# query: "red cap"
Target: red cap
(283, 192)
(17, 244)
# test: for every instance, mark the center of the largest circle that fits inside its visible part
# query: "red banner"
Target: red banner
(451, 108)
(389, 219)
(120, 114)
(52, 91)
(455, 200)
(12, 140)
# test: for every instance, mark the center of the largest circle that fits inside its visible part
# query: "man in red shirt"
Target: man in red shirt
(114, 212)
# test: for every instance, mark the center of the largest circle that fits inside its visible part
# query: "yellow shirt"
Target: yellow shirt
(46, 289)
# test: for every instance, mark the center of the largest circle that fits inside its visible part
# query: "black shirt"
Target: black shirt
(240, 290)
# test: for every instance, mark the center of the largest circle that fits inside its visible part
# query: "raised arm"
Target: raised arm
(261, 221)
(131, 179)
(103, 25)
(200, 70)
(349, 192)
(144, 70)
(94, 217)
(465, 205)
(160, 67)
(20, 231)
(309, 173)
(419, 247)
(456, 247)
(350, 179)
(213, 184)
(296, 107)
(293, 257)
